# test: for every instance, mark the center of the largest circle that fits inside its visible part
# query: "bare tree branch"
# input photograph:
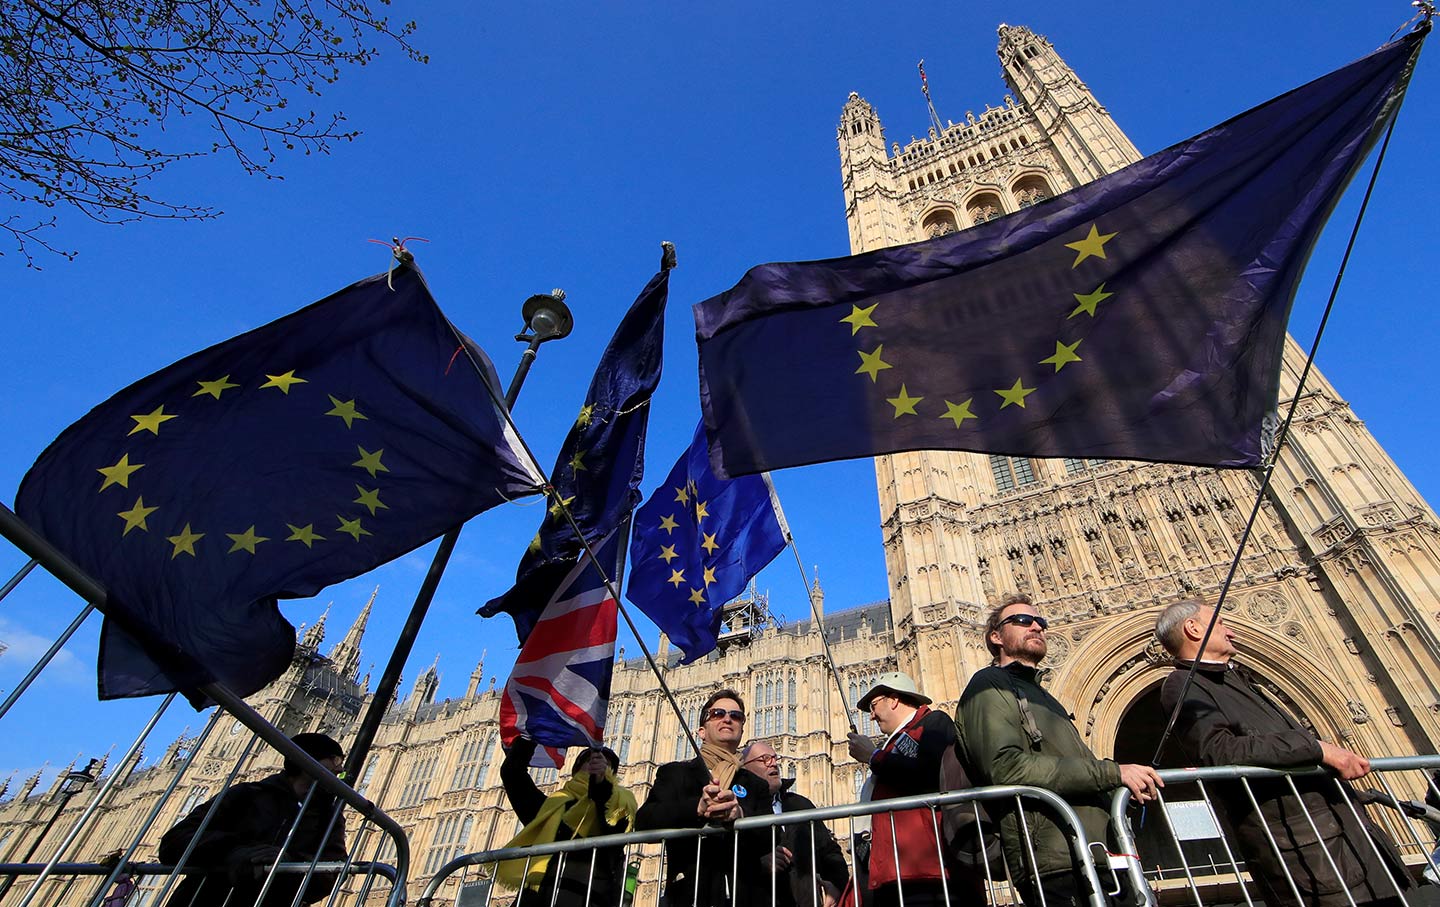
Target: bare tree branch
(92, 84)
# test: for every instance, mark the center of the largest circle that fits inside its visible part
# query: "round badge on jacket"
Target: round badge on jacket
(739, 791)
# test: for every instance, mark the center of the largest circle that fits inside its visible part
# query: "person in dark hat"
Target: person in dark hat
(590, 804)
(906, 865)
(244, 837)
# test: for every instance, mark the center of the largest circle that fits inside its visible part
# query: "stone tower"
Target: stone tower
(1334, 597)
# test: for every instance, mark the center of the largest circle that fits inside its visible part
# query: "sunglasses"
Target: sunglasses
(1025, 620)
(736, 715)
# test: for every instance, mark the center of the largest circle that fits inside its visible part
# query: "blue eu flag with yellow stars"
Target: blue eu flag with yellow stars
(696, 543)
(300, 454)
(1141, 316)
(597, 474)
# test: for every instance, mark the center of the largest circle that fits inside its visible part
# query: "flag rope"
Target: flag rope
(1282, 434)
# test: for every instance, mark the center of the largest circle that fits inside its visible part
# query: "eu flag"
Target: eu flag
(269, 466)
(696, 543)
(598, 472)
(1141, 316)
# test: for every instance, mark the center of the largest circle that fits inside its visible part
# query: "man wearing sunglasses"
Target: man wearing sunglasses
(712, 788)
(807, 863)
(1011, 731)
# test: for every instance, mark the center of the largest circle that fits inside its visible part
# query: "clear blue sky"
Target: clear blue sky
(556, 145)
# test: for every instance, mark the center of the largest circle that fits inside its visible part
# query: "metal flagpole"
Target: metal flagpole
(14, 581)
(546, 318)
(1283, 433)
(815, 612)
(624, 612)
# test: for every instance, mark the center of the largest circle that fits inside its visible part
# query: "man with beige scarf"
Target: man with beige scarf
(711, 788)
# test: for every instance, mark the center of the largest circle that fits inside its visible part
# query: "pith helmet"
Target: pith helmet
(894, 684)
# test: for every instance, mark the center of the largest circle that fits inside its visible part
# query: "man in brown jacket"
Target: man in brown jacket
(1227, 720)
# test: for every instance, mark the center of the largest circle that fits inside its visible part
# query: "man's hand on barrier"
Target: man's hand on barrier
(1349, 766)
(1144, 782)
(777, 860)
(252, 862)
(861, 747)
(718, 804)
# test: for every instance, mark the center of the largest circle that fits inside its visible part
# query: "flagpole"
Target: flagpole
(546, 318)
(625, 613)
(1284, 431)
(804, 580)
(14, 581)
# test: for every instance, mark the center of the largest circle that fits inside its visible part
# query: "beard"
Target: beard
(1031, 647)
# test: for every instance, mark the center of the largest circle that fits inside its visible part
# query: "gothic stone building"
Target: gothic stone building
(1334, 601)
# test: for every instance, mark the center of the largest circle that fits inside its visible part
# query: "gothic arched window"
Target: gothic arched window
(939, 223)
(1032, 190)
(984, 207)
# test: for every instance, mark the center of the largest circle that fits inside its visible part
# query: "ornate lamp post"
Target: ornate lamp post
(73, 784)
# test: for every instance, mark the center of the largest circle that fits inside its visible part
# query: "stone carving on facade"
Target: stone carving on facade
(1358, 712)
(1064, 564)
(1129, 567)
(1395, 717)
(987, 580)
(1146, 541)
(1267, 606)
(1043, 577)
(1058, 650)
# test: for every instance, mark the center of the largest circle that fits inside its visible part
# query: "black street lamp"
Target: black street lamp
(73, 784)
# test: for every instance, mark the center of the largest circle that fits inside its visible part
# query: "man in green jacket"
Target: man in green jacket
(1011, 731)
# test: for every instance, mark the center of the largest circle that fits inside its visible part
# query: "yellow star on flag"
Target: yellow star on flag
(1092, 246)
(959, 412)
(859, 318)
(700, 511)
(346, 411)
(184, 542)
(245, 541)
(667, 553)
(370, 462)
(352, 528)
(697, 596)
(682, 495)
(119, 474)
(135, 517)
(369, 499)
(214, 388)
(676, 577)
(283, 382)
(1016, 394)
(586, 414)
(871, 364)
(904, 404)
(559, 506)
(576, 464)
(305, 534)
(150, 422)
(1088, 301)
(1064, 355)
(709, 544)
(534, 543)
(709, 575)
(668, 524)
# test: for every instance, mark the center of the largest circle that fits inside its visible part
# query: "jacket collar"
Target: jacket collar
(1023, 672)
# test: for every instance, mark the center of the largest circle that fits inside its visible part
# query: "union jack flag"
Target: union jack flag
(560, 686)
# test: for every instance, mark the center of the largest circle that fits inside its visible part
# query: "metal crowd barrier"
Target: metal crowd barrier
(999, 888)
(63, 878)
(1391, 800)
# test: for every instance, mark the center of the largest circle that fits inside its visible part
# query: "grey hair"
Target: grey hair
(1169, 626)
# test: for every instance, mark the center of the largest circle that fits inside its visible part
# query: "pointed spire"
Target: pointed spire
(346, 654)
(316, 634)
(5, 787)
(476, 676)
